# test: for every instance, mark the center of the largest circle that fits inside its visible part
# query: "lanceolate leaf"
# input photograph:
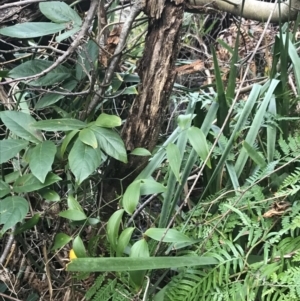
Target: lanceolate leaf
(111, 143)
(41, 159)
(131, 196)
(21, 124)
(59, 12)
(10, 147)
(84, 160)
(36, 66)
(113, 227)
(62, 124)
(29, 182)
(102, 264)
(174, 158)
(88, 137)
(31, 30)
(198, 141)
(12, 210)
(170, 235)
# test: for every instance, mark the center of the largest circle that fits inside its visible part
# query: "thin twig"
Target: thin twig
(134, 12)
(73, 47)
(19, 3)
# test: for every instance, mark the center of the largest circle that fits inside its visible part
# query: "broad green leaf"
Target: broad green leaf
(27, 225)
(52, 98)
(83, 160)
(73, 204)
(33, 67)
(13, 209)
(123, 240)
(41, 159)
(150, 186)
(174, 158)
(74, 215)
(60, 240)
(59, 12)
(139, 249)
(4, 189)
(21, 124)
(62, 124)
(67, 34)
(50, 195)
(29, 182)
(198, 141)
(111, 143)
(88, 137)
(140, 151)
(86, 57)
(130, 91)
(108, 121)
(78, 247)
(67, 140)
(119, 264)
(131, 196)
(171, 235)
(31, 30)
(10, 147)
(113, 226)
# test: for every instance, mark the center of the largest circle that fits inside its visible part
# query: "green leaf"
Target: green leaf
(67, 34)
(13, 209)
(174, 158)
(21, 124)
(139, 249)
(113, 226)
(171, 235)
(131, 197)
(78, 247)
(184, 121)
(4, 189)
(140, 151)
(198, 142)
(123, 240)
(10, 147)
(67, 140)
(59, 12)
(108, 121)
(27, 225)
(50, 195)
(41, 159)
(52, 98)
(31, 29)
(111, 143)
(254, 155)
(88, 54)
(73, 204)
(62, 124)
(88, 137)
(130, 91)
(84, 160)
(33, 67)
(60, 240)
(150, 186)
(74, 215)
(29, 182)
(120, 264)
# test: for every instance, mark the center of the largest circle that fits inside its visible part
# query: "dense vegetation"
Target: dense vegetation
(109, 196)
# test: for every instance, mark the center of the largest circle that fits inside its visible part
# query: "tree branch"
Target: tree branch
(253, 9)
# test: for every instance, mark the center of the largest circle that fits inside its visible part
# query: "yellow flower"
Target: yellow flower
(72, 255)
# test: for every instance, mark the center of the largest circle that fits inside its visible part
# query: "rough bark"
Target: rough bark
(157, 74)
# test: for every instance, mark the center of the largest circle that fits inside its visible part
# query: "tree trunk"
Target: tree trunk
(157, 75)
